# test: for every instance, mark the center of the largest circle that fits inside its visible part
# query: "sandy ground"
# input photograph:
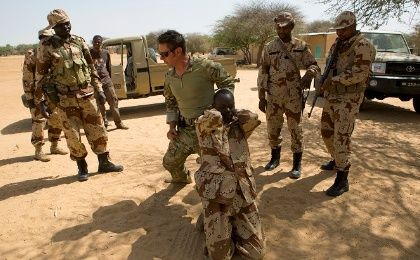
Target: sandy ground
(45, 213)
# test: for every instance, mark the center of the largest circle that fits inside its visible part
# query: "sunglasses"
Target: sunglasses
(165, 54)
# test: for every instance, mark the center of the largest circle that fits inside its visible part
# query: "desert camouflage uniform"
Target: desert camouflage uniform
(38, 121)
(186, 98)
(344, 95)
(279, 78)
(227, 188)
(71, 70)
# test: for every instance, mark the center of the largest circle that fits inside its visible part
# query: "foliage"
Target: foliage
(20, 49)
(319, 26)
(252, 24)
(151, 38)
(197, 42)
(413, 39)
(373, 12)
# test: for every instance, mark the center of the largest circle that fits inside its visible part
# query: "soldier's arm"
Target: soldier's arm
(248, 121)
(95, 79)
(309, 62)
(108, 63)
(171, 104)
(43, 64)
(263, 73)
(220, 76)
(364, 54)
(28, 77)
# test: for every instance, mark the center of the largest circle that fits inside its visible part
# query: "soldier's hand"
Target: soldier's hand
(101, 97)
(172, 134)
(262, 105)
(306, 80)
(31, 103)
(243, 116)
(43, 108)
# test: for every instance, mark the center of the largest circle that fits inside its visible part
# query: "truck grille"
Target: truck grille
(409, 69)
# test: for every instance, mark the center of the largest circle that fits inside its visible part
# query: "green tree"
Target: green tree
(413, 39)
(252, 24)
(197, 42)
(319, 26)
(373, 12)
(151, 38)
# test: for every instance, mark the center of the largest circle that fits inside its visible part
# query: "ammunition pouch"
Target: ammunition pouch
(50, 90)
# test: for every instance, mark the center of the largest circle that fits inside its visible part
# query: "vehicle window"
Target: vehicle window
(384, 42)
(115, 53)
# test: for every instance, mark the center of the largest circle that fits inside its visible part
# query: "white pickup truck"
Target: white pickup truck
(146, 76)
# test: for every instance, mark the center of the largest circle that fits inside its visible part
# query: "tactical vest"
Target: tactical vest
(71, 72)
(345, 61)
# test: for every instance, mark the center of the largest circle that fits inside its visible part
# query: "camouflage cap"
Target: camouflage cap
(283, 19)
(343, 20)
(46, 32)
(57, 16)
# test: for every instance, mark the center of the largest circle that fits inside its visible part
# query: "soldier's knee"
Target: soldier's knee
(169, 161)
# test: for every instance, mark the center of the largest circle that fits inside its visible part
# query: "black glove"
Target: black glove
(101, 97)
(306, 80)
(262, 105)
(43, 108)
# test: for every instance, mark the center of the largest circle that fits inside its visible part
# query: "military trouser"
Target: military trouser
(83, 113)
(337, 124)
(185, 144)
(274, 114)
(38, 124)
(112, 100)
(233, 227)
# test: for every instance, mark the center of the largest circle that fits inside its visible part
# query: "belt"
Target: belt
(341, 89)
(70, 90)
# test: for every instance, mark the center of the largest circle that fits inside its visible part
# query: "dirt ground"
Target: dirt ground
(45, 213)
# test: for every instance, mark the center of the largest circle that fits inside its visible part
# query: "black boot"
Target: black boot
(297, 166)
(341, 184)
(83, 174)
(105, 165)
(275, 159)
(328, 166)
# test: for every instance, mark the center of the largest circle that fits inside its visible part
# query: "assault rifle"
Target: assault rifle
(324, 76)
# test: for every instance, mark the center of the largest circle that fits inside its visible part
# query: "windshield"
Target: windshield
(384, 42)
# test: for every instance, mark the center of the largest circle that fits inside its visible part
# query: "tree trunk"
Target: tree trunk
(259, 53)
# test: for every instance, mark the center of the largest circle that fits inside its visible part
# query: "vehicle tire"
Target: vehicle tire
(416, 104)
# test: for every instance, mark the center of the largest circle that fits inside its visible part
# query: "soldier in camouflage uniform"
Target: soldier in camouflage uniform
(225, 182)
(102, 62)
(280, 88)
(68, 60)
(38, 121)
(344, 92)
(189, 90)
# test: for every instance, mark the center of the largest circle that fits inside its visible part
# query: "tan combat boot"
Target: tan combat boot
(120, 125)
(40, 155)
(54, 149)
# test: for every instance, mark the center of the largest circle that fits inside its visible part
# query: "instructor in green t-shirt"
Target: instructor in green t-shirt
(189, 90)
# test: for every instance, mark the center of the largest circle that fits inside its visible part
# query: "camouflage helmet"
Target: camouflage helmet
(343, 20)
(283, 19)
(57, 16)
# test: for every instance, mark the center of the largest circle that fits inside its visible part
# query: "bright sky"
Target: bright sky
(21, 19)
